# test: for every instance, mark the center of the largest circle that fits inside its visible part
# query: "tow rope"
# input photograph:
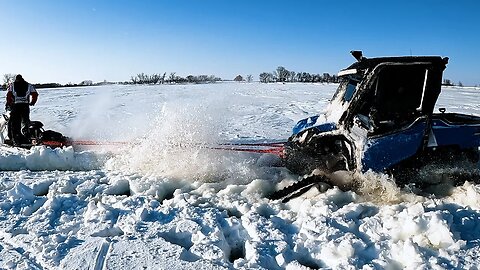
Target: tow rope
(90, 143)
(264, 148)
(275, 148)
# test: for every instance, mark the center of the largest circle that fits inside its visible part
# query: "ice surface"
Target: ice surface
(163, 200)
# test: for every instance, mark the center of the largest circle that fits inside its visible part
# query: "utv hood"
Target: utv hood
(311, 122)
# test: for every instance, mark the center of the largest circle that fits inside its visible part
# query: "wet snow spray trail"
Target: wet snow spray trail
(176, 149)
(437, 180)
(381, 188)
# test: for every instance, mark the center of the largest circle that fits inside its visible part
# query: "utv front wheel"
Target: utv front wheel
(328, 153)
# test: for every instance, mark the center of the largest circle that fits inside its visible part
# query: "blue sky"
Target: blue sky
(71, 41)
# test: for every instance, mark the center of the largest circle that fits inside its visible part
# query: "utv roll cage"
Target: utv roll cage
(390, 91)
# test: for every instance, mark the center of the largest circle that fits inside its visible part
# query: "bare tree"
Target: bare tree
(281, 74)
(213, 78)
(249, 78)
(172, 77)
(266, 77)
(143, 78)
(447, 82)
(191, 79)
(7, 79)
(162, 79)
(291, 76)
(134, 79)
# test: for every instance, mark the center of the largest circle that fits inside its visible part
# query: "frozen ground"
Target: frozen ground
(162, 201)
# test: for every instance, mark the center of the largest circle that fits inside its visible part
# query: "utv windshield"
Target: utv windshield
(347, 88)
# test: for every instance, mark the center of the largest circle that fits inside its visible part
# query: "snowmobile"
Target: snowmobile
(381, 118)
(32, 135)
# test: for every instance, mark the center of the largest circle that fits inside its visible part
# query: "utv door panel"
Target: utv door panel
(383, 151)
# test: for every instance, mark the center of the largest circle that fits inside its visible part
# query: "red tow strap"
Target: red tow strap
(275, 148)
(88, 143)
(264, 148)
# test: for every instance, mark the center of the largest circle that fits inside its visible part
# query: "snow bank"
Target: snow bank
(44, 158)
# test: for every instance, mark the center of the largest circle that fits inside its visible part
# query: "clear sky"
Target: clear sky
(71, 41)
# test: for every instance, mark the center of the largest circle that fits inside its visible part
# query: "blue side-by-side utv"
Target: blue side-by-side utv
(382, 118)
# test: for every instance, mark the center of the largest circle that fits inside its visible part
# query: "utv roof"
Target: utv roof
(366, 63)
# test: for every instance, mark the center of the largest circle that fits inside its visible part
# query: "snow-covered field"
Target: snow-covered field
(159, 200)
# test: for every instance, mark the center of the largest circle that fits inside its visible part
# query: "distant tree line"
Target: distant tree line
(9, 78)
(448, 82)
(83, 83)
(143, 78)
(281, 74)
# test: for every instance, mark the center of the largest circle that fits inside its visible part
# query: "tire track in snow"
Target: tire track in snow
(7, 243)
(102, 254)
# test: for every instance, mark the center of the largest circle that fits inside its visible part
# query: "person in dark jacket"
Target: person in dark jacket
(20, 96)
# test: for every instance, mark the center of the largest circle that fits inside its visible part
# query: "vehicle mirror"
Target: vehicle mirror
(362, 121)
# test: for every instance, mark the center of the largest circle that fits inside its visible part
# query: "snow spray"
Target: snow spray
(177, 146)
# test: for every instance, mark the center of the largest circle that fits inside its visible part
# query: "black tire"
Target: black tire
(307, 152)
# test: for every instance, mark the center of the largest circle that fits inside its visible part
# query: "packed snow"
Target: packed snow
(160, 198)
